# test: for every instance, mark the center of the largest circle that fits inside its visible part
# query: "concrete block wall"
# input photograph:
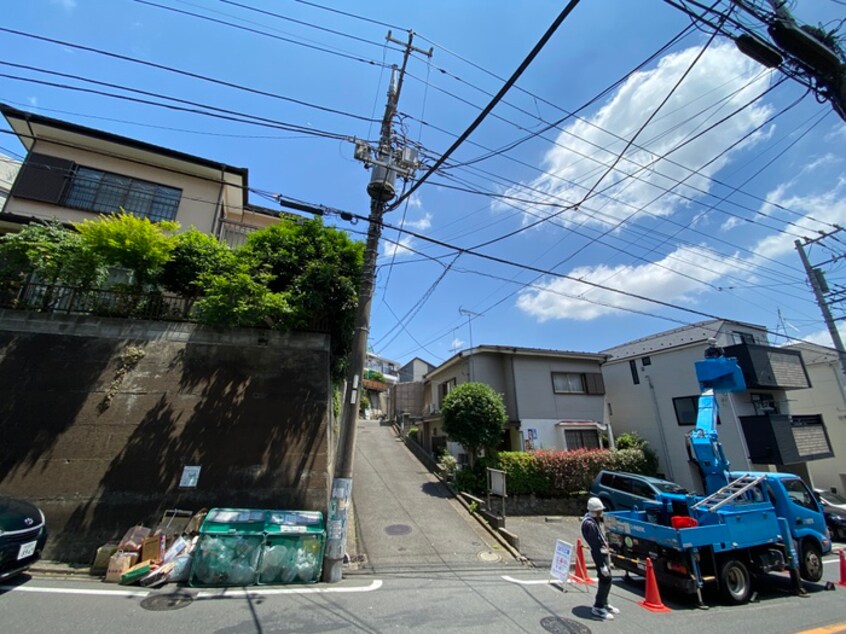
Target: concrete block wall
(99, 416)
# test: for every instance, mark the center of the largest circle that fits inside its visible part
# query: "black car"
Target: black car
(834, 509)
(23, 533)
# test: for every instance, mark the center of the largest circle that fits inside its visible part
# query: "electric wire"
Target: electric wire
(185, 73)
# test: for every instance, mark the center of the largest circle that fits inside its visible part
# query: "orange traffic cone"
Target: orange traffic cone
(580, 575)
(652, 602)
(842, 581)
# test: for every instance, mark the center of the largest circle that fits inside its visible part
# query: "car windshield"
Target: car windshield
(669, 487)
(832, 498)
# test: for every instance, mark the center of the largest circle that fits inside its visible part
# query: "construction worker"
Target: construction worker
(594, 536)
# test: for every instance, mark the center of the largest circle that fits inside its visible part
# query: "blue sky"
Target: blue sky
(700, 213)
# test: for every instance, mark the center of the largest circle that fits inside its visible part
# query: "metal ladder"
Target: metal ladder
(731, 491)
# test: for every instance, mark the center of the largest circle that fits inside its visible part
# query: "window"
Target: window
(642, 489)
(104, 192)
(568, 383)
(633, 368)
(742, 337)
(581, 439)
(686, 407)
(799, 493)
(577, 383)
(445, 388)
(646, 361)
(764, 404)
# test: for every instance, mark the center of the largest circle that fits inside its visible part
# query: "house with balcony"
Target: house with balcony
(826, 395)
(380, 375)
(9, 168)
(653, 390)
(554, 399)
(72, 173)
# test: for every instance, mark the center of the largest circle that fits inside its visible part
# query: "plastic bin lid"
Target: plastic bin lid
(294, 522)
(234, 521)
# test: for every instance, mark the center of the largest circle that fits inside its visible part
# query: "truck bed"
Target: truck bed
(737, 526)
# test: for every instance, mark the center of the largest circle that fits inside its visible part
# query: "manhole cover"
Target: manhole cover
(170, 601)
(489, 556)
(398, 529)
(557, 625)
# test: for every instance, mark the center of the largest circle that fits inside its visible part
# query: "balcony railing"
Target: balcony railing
(778, 439)
(767, 367)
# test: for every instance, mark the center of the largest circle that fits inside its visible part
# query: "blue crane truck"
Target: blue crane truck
(746, 524)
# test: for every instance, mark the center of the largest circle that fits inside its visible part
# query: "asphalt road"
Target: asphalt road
(453, 601)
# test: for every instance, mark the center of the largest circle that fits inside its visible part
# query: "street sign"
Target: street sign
(560, 569)
(190, 477)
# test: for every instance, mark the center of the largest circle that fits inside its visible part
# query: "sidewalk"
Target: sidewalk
(538, 534)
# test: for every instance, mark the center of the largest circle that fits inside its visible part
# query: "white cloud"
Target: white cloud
(820, 211)
(456, 344)
(33, 101)
(667, 280)
(67, 5)
(420, 224)
(415, 202)
(693, 107)
(837, 133)
(397, 249)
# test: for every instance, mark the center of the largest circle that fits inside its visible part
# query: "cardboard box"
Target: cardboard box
(134, 539)
(101, 559)
(119, 563)
(153, 548)
(136, 572)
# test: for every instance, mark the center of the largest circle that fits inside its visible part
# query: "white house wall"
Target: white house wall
(826, 397)
(647, 408)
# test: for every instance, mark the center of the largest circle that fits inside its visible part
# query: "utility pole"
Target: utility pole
(469, 314)
(392, 159)
(819, 286)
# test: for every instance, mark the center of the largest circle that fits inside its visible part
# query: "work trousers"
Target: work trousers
(604, 587)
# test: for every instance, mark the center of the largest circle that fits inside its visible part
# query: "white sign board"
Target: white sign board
(496, 482)
(560, 568)
(190, 477)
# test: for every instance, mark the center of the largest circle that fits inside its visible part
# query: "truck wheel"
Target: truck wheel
(735, 582)
(810, 561)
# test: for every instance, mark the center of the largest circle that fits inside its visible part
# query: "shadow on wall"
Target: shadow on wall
(253, 417)
(45, 381)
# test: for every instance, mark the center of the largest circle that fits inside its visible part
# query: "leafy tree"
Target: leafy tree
(134, 243)
(317, 269)
(53, 253)
(634, 441)
(240, 299)
(194, 254)
(474, 415)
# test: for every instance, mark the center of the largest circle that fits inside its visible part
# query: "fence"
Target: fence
(105, 303)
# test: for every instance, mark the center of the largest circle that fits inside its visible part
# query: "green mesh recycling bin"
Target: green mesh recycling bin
(293, 548)
(229, 548)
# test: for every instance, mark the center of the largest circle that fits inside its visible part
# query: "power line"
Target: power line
(237, 116)
(508, 84)
(185, 73)
(199, 16)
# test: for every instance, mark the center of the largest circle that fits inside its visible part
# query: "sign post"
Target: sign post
(561, 560)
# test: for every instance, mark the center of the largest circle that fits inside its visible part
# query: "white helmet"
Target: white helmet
(594, 505)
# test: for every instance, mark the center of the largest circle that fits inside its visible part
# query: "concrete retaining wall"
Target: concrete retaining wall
(99, 416)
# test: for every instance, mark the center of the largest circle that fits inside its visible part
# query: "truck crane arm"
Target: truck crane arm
(716, 374)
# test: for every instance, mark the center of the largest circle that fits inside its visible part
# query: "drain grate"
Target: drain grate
(165, 602)
(398, 529)
(557, 625)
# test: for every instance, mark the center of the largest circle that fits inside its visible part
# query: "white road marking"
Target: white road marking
(101, 593)
(225, 593)
(534, 582)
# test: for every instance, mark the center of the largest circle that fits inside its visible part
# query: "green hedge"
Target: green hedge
(553, 473)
